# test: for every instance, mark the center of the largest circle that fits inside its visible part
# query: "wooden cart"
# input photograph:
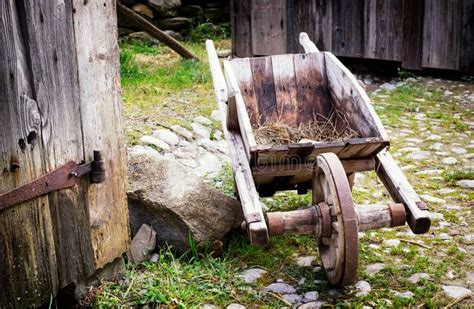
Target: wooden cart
(293, 87)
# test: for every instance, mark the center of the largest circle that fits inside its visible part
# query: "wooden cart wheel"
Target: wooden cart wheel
(339, 251)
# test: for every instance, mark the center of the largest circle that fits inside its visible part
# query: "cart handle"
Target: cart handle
(308, 45)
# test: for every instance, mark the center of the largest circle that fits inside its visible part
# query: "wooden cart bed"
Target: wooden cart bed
(296, 88)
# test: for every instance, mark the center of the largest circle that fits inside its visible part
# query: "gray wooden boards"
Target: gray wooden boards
(59, 101)
(394, 30)
(292, 88)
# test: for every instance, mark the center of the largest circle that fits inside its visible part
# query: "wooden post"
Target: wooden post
(59, 100)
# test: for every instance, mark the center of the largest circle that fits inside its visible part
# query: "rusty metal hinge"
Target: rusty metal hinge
(64, 177)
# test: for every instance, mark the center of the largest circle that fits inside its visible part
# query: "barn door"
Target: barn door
(59, 101)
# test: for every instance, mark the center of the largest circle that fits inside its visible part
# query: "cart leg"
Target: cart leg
(350, 179)
(402, 192)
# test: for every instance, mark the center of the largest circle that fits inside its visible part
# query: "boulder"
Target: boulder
(164, 6)
(144, 37)
(175, 23)
(143, 10)
(176, 203)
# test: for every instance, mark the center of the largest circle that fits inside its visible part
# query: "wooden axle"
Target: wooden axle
(313, 221)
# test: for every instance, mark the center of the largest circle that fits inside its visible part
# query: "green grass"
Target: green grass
(160, 88)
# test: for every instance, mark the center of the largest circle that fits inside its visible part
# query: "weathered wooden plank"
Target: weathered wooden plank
(54, 77)
(264, 86)
(412, 33)
(302, 17)
(441, 34)
(241, 28)
(466, 47)
(382, 35)
(357, 165)
(285, 88)
(243, 74)
(245, 126)
(257, 228)
(311, 83)
(347, 28)
(268, 20)
(101, 106)
(349, 98)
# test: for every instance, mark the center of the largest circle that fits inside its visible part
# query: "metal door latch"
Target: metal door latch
(64, 177)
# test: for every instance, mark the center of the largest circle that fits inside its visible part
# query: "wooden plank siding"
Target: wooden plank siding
(53, 112)
(393, 30)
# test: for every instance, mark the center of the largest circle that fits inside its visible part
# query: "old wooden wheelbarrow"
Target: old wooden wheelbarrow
(293, 87)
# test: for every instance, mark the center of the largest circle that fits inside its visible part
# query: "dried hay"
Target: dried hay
(335, 127)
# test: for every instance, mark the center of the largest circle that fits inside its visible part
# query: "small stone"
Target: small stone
(436, 216)
(468, 239)
(292, 298)
(419, 155)
(429, 172)
(150, 140)
(447, 93)
(203, 120)
(301, 281)
(167, 136)
(415, 278)
(458, 150)
(310, 296)
(432, 199)
(434, 137)
(216, 115)
(449, 161)
(453, 207)
(437, 146)
(154, 258)
(182, 131)
(444, 236)
(236, 306)
(143, 150)
(388, 86)
(392, 242)
(281, 288)
(466, 183)
(450, 275)
(305, 261)
(368, 81)
(454, 291)
(363, 287)
(444, 191)
(142, 244)
(252, 275)
(313, 305)
(210, 306)
(406, 294)
(200, 130)
(372, 269)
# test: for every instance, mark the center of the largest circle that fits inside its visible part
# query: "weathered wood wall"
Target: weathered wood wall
(59, 100)
(418, 33)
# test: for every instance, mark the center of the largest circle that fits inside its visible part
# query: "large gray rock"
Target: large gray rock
(176, 202)
(163, 6)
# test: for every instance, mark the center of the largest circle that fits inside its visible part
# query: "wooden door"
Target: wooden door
(59, 100)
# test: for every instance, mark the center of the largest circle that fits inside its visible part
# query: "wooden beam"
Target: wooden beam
(154, 31)
(301, 169)
(402, 192)
(256, 225)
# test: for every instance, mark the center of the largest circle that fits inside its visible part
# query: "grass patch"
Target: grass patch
(454, 175)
